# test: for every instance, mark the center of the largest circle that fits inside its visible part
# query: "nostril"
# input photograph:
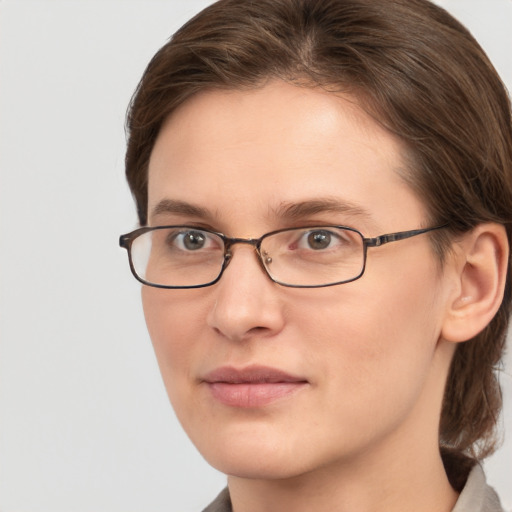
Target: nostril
(258, 331)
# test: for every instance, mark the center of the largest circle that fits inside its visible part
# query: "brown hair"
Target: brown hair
(417, 71)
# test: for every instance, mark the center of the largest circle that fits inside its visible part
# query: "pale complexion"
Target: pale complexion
(360, 431)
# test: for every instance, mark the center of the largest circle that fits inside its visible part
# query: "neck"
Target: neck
(412, 482)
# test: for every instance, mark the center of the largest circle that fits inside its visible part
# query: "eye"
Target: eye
(319, 239)
(192, 240)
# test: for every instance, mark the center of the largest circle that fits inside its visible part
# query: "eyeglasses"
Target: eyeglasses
(305, 257)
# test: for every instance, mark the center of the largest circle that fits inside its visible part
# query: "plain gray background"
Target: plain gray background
(85, 425)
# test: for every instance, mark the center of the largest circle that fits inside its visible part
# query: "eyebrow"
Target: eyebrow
(287, 211)
(297, 211)
(176, 207)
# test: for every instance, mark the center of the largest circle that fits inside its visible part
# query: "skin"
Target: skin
(361, 434)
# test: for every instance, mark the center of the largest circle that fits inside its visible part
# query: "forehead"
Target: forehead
(245, 152)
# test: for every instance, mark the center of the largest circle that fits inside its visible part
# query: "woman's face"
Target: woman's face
(270, 381)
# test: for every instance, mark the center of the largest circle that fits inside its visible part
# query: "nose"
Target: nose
(246, 302)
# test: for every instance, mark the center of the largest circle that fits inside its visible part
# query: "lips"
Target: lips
(253, 386)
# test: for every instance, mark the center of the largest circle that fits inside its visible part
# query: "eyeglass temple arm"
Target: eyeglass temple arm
(400, 235)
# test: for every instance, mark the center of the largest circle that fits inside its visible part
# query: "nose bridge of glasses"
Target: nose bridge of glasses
(254, 242)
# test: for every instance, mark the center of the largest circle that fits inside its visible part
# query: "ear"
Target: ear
(479, 265)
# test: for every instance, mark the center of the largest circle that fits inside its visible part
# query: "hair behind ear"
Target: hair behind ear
(473, 398)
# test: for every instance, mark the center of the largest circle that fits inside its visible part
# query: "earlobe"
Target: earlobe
(480, 266)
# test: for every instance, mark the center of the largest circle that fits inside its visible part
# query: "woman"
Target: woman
(324, 189)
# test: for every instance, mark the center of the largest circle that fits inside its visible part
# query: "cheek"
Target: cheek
(381, 334)
(174, 324)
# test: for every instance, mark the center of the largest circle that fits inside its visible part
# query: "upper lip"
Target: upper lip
(250, 375)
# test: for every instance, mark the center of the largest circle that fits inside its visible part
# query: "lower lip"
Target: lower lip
(247, 395)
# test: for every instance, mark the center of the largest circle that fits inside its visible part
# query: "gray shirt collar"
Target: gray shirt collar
(477, 496)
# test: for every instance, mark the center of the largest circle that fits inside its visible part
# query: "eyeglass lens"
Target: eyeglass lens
(186, 256)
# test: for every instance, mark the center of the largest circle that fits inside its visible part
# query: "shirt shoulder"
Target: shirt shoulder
(477, 495)
(221, 503)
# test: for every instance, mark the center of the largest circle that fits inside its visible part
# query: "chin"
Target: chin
(258, 455)
(256, 468)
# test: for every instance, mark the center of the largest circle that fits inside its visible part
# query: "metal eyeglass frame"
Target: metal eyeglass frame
(126, 241)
